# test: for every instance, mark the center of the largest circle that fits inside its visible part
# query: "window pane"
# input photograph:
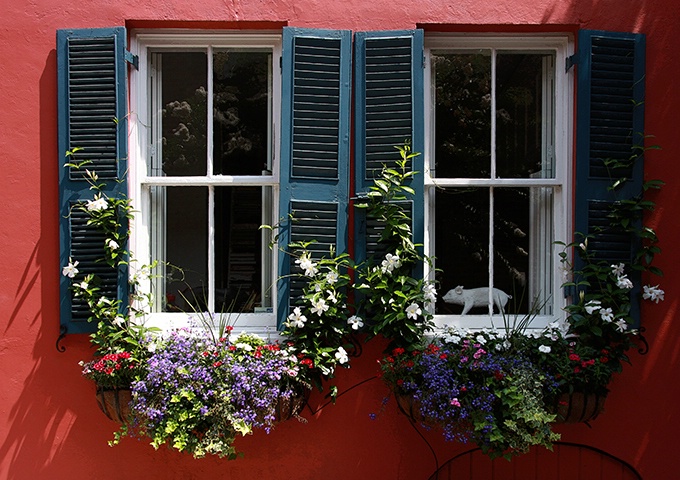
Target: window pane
(182, 245)
(184, 106)
(523, 115)
(242, 100)
(238, 248)
(461, 242)
(462, 114)
(522, 248)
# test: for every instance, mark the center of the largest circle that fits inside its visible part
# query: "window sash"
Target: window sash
(559, 148)
(143, 82)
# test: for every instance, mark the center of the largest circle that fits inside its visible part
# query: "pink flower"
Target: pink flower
(455, 402)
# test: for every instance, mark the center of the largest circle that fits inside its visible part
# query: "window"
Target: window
(497, 168)
(492, 116)
(205, 175)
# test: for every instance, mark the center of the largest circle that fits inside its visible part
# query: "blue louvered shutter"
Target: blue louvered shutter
(389, 97)
(315, 110)
(92, 85)
(610, 123)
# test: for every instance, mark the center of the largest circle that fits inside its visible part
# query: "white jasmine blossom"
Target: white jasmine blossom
(413, 310)
(119, 321)
(390, 263)
(97, 205)
(621, 325)
(319, 306)
(341, 356)
(617, 270)
(430, 292)
(112, 244)
(624, 282)
(544, 349)
(296, 319)
(83, 285)
(332, 277)
(307, 265)
(606, 314)
(355, 322)
(655, 294)
(593, 306)
(331, 296)
(70, 270)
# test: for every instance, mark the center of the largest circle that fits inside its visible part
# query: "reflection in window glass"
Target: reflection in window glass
(184, 243)
(183, 110)
(241, 112)
(494, 121)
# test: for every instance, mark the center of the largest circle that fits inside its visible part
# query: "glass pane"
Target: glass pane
(182, 244)
(184, 107)
(242, 100)
(524, 101)
(238, 249)
(461, 244)
(462, 114)
(523, 248)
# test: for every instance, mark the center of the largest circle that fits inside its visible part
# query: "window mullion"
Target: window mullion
(211, 188)
(493, 175)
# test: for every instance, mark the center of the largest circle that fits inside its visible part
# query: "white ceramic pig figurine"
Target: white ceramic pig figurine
(476, 297)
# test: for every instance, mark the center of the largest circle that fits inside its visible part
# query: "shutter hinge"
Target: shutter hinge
(132, 59)
(281, 64)
(571, 61)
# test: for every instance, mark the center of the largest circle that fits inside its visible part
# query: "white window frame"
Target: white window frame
(140, 122)
(563, 46)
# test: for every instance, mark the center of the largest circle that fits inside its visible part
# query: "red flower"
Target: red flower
(574, 357)
(498, 375)
(400, 382)
(604, 359)
(410, 364)
(443, 356)
(217, 364)
(577, 370)
(398, 351)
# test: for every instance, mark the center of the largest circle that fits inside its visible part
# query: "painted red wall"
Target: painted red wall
(50, 427)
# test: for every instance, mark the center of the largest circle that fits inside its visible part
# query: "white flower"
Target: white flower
(583, 245)
(70, 270)
(244, 346)
(296, 319)
(390, 263)
(544, 349)
(413, 310)
(331, 296)
(119, 321)
(606, 314)
(355, 321)
(655, 294)
(621, 325)
(624, 282)
(307, 265)
(83, 285)
(617, 270)
(430, 292)
(332, 277)
(341, 356)
(319, 306)
(112, 244)
(480, 339)
(593, 306)
(97, 205)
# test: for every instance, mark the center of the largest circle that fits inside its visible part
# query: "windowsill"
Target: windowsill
(260, 324)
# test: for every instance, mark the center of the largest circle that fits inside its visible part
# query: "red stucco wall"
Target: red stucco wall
(50, 427)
